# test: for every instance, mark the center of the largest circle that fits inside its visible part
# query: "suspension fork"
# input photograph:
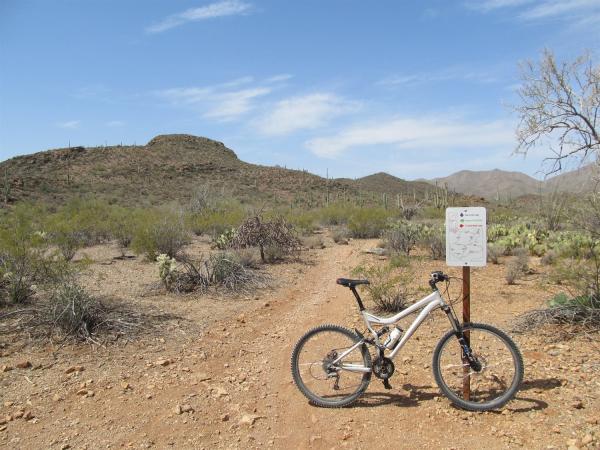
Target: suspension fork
(463, 339)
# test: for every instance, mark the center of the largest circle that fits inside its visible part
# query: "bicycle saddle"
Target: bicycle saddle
(351, 283)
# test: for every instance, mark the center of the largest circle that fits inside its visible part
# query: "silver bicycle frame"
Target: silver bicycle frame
(427, 304)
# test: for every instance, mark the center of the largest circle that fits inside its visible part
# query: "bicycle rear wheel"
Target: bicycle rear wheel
(323, 383)
(501, 368)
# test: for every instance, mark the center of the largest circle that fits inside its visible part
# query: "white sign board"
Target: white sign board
(466, 237)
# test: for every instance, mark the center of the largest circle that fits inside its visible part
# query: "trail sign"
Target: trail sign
(466, 246)
(466, 237)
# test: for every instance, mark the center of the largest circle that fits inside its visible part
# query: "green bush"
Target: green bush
(215, 221)
(335, 214)
(402, 236)
(123, 224)
(433, 237)
(387, 289)
(160, 232)
(365, 223)
(26, 260)
(303, 221)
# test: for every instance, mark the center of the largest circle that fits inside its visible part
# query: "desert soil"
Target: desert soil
(215, 372)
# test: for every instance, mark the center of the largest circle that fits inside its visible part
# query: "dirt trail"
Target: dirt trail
(231, 387)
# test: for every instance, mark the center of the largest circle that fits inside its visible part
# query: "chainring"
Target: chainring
(383, 368)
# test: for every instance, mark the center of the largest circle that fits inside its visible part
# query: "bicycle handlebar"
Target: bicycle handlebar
(436, 277)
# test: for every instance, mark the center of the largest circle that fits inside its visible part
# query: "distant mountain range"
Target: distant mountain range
(501, 184)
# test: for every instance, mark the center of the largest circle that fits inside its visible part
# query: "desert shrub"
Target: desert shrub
(123, 223)
(513, 273)
(65, 236)
(365, 223)
(160, 233)
(549, 258)
(227, 271)
(335, 215)
(433, 238)
(399, 260)
(248, 257)
(303, 221)
(494, 252)
(313, 242)
(275, 238)
(518, 266)
(431, 212)
(521, 259)
(203, 198)
(402, 236)
(580, 308)
(25, 258)
(340, 234)
(387, 289)
(273, 253)
(82, 215)
(217, 219)
(73, 311)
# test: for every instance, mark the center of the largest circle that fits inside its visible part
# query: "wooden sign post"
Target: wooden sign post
(466, 289)
(466, 246)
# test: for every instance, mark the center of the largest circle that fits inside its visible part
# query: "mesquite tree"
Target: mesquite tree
(560, 107)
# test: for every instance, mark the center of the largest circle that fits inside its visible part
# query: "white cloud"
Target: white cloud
(211, 11)
(582, 13)
(416, 133)
(69, 125)
(279, 78)
(230, 105)
(553, 8)
(304, 112)
(225, 101)
(490, 5)
(455, 73)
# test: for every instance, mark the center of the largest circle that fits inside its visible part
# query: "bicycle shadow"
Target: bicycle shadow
(414, 395)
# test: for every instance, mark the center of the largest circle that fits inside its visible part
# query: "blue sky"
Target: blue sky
(416, 89)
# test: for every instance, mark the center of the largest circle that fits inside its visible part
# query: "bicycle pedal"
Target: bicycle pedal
(386, 384)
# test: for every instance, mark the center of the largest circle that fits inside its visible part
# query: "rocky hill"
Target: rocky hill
(169, 168)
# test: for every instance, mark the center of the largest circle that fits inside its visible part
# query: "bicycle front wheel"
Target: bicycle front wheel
(323, 380)
(497, 380)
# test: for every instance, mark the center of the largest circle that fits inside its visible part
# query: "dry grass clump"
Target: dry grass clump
(494, 252)
(68, 312)
(313, 242)
(230, 271)
(340, 235)
(518, 266)
(576, 317)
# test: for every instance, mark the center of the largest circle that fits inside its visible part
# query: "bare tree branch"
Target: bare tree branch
(559, 108)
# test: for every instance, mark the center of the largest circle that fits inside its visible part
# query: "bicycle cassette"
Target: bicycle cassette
(383, 368)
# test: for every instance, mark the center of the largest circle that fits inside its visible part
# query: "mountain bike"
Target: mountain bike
(477, 366)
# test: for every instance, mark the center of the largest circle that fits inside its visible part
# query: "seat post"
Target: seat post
(358, 299)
